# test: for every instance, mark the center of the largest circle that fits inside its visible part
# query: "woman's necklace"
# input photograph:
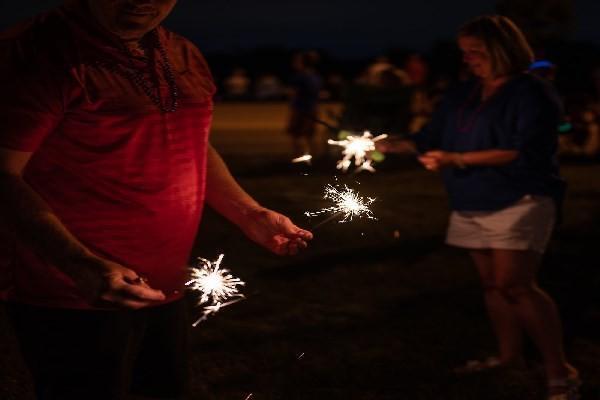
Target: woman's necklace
(463, 126)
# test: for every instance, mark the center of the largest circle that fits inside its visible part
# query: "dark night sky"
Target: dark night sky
(356, 28)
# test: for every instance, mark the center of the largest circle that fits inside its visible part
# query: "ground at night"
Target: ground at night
(375, 310)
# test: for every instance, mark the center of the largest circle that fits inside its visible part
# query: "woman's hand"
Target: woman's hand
(437, 159)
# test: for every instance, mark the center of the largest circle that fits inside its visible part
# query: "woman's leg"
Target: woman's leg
(515, 277)
(504, 322)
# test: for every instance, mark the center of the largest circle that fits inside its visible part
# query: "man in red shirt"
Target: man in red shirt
(105, 165)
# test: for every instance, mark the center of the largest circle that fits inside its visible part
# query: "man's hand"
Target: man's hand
(275, 232)
(438, 159)
(106, 283)
(266, 227)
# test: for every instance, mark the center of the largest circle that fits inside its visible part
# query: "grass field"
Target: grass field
(378, 310)
(384, 316)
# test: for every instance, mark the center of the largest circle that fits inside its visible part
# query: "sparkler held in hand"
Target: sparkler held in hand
(348, 204)
(217, 287)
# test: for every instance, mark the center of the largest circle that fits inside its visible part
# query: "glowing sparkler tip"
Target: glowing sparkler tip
(347, 203)
(358, 148)
(307, 158)
(217, 287)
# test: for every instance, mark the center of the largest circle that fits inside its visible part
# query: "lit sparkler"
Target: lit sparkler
(217, 287)
(357, 148)
(366, 166)
(307, 158)
(348, 204)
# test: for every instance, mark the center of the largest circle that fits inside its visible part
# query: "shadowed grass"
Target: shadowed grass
(380, 309)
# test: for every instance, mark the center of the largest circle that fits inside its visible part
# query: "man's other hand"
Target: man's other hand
(108, 284)
(275, 232)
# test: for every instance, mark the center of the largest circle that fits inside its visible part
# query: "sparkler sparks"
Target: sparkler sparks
(357, 147)
(217, 287)
(307, 158)
(347, 203)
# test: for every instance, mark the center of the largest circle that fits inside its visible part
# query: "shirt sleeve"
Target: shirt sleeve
(194, 60)
(31, 101)
(535, 117)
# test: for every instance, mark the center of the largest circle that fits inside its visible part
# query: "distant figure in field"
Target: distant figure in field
(378, 101)
(374, 70)
(237, 85)
(305, 87)
(422, 99)
(583, 140)
(269, 87)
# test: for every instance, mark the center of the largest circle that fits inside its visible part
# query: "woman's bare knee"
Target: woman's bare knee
(516, 293)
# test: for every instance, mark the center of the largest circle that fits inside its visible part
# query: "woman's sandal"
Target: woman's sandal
(564, 389)
(473, 366)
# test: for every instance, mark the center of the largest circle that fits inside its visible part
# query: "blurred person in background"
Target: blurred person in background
(335, 86)
(378, 102)
(422, 100)
(494, 140)
(544, 69)
(305, 89)
(268, 87)
(371, 76)
(582, 141)
(237, 85)
(596, 88)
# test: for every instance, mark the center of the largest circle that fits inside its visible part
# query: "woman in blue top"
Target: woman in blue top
(494, 141)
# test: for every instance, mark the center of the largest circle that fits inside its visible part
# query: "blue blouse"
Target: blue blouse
(523, 115)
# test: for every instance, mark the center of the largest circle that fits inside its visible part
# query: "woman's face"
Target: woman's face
(476, 56)
(130, 19)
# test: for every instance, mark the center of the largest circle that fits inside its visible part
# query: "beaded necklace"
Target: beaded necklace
(137, 77)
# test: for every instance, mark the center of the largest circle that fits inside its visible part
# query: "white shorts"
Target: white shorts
(526, 225)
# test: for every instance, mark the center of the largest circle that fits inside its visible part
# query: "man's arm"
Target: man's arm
(35, 225)
(266, 227)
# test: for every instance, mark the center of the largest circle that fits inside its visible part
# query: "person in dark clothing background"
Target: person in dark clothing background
(305, 87)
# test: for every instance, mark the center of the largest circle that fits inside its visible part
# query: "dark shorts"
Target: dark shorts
(76, 354)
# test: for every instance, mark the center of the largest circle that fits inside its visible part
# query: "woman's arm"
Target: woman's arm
(437, 159)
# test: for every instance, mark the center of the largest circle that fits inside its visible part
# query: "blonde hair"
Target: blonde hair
(509, 50)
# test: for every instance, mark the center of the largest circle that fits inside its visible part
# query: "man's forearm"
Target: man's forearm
(223, 193)
(35, 225)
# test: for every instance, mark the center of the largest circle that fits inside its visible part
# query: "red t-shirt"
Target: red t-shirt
(127, 180)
